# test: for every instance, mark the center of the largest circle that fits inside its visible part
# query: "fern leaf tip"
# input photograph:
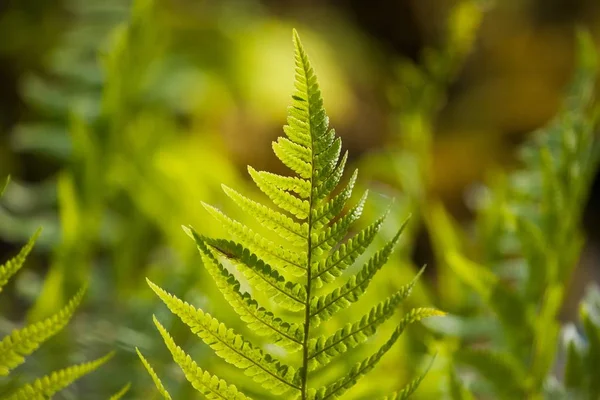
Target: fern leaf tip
(188, 230)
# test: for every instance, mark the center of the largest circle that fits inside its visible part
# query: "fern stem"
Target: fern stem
(305, 356)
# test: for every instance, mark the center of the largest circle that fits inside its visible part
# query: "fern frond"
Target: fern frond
(322, 350)
(340, 386)
(264, 248)
(157, 382)
(261, 321)
(119, 395)
(324, 307)
(22, 342)
(412, 386)
(231, 347)
(289, 295)
(209, 385)
(46, 387)
(12, 266)
(314, 244)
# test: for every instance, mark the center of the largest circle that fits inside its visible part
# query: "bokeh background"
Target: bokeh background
(115, 125)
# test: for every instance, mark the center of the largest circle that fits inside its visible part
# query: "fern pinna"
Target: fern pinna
(314, 252)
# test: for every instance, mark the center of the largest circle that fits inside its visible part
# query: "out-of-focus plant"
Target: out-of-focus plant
(404, 168)
(127, 161)
(526, 245)
(21, 342)
(583, 352)
(311, 246)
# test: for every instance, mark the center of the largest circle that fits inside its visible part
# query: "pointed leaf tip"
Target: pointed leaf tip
(188, 230)
(3, 187)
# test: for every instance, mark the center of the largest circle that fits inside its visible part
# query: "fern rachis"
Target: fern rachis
(312, 252)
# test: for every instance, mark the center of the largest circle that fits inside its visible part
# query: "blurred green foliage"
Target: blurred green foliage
(21, 342)
(140, 111)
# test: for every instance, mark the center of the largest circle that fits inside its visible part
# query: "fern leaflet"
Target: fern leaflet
(22, 342)
(12, 266)
(122, 392)
(157, 382)
(47, 386)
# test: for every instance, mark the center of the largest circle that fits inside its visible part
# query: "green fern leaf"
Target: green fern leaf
(265, 249)
(322, 350)
(277, 222)
(291, 296)
(261, 321)
(119, 395)
(409, 389)
(44, 388)
(295, 156)
(339, 387)
(324, 307)
(22, 342)
(231, 347)
(209, 385)
(326, 211)
(12, 266)
(326, 239)
(3, 187)
(327, 269)
(283, 199)
(324, 189)
(157, 382)
(285, 183)
(312, 249)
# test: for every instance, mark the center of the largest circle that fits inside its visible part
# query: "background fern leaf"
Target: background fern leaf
(231, 347)
(209, 385)
(409, 389)
(3, 187)
(47, 386)
(119, 395)
(22, 342)
(157, 382)
(12, 266)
